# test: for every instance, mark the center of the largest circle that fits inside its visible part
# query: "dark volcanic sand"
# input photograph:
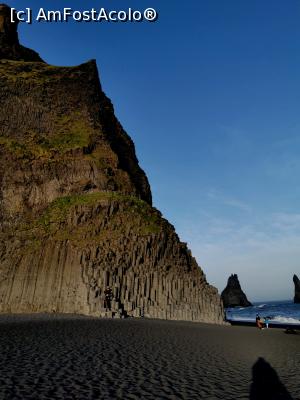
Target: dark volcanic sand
(65, 357)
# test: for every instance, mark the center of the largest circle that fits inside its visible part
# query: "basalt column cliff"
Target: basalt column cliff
(75, 207)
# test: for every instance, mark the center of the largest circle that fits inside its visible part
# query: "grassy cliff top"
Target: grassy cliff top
(39, 72)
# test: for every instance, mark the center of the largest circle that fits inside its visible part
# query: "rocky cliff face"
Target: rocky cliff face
(232, 295)
(297, 289)
(10, 47)
(75, 207)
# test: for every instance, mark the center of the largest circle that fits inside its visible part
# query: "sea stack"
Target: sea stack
(232, 295)
(76, 215)
(297, 289)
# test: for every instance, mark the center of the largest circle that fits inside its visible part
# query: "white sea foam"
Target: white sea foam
(279, 313)
(276, 319)
(285, 320)
(238, 318)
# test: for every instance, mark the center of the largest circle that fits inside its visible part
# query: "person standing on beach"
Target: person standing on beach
(258, 322)
(266, 322)
(108, 298)
(257, 319)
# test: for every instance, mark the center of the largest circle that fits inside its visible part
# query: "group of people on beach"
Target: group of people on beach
(262, 323)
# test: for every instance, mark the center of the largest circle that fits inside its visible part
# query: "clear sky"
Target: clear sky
(210, 95)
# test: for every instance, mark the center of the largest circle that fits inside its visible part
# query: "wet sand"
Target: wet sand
(67, 357)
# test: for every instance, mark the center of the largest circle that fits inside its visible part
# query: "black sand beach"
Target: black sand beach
(67, 357)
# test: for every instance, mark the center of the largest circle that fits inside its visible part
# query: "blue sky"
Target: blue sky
(210, 95)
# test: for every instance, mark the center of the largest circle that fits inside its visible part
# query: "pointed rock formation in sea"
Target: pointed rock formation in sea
(232, 295)
(75, 206)
(297, 289)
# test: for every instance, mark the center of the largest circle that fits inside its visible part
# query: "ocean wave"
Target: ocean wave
(285, 320)
(238, 318)
(277, 313)
(276, 319)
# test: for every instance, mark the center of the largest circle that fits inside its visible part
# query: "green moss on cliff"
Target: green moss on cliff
(103, 156)
(88, 218)
(71, 132)
(64, 131)
(132, 213)
(23, 149)
(37, 72)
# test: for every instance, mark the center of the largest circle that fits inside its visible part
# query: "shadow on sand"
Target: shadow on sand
(265, 383)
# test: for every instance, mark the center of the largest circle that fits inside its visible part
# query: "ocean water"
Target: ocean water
(279, 312)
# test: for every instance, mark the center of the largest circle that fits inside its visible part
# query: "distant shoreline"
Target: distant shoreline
(281, 314)
(271, 324)
(20, 317)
